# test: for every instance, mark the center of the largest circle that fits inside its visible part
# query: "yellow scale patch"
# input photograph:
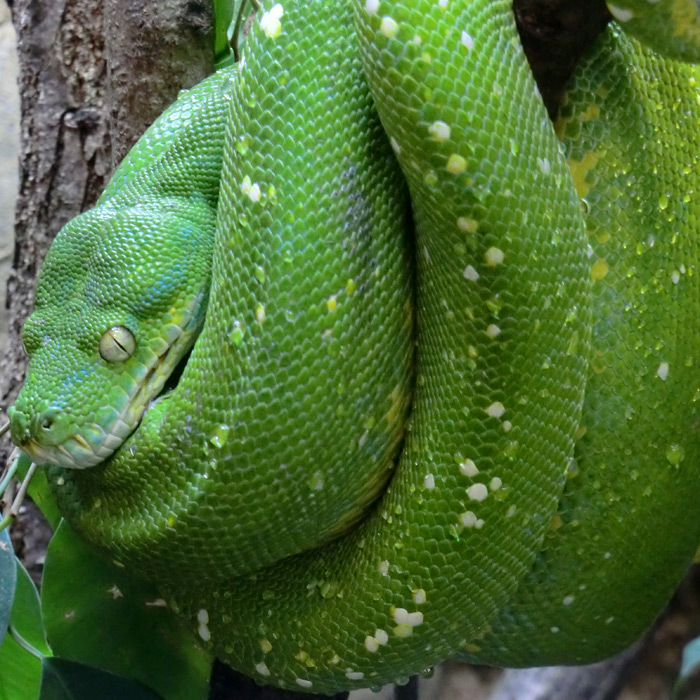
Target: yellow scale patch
(581, 168)
(684, 15)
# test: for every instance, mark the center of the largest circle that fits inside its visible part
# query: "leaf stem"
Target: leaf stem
(12, 630)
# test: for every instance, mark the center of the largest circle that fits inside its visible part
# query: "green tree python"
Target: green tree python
(362, 450)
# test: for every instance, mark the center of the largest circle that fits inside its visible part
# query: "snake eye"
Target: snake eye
(117, 344)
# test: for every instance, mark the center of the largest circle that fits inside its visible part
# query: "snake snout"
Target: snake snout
(43, 425)
(45, 433)
(19, 425)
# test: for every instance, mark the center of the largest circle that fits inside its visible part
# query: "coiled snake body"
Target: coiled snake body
(537, 336)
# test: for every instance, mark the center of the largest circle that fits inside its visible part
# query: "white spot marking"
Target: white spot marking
(415, 618)
(662, 372)
(400, 616)
(493, 331)
(381, 636)
(157, 603)
(252, 189)
(304, 683)
(429, 482)
(495, 483)
(371, 644)
(495, 410)
(270, 21)
(456, 164)
(466, 224)
(116, 593)
(468, 468)
(477, 492)
(494, 256)
(471, 274)
(439, 131)
(262, 669)
(467, 40)
(469, 519)
(389, 28)
(372, 6)
(419, 596)
(354, 675)
(568, 600)
(203, 619)
(403, 617)
(620, 13)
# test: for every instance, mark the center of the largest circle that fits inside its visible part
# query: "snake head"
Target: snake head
(120, 301)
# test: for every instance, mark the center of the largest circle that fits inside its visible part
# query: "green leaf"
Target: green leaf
(97, 614)
(26, 616)
(223, 17)
(20, 672)
(67, 680)
(20, 668)
(8, 581)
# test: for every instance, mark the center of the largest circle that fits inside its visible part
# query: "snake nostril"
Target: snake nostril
(46, 421)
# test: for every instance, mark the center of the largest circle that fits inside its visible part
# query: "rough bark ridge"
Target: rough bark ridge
(95, 73)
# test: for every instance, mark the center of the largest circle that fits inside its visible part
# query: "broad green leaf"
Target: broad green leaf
(97, 614)
(67, 680)
(223, 17)
(20, 672)
(26, 613)
(8, 580)
(20, 669)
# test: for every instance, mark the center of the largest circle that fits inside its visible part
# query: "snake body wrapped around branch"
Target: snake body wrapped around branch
(361, 451)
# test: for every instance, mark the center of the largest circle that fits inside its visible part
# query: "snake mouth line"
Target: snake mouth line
(94, 443)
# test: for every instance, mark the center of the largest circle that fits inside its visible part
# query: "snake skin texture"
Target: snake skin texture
(440, 395)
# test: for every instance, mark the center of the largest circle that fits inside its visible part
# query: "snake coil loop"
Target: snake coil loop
(435, 406)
